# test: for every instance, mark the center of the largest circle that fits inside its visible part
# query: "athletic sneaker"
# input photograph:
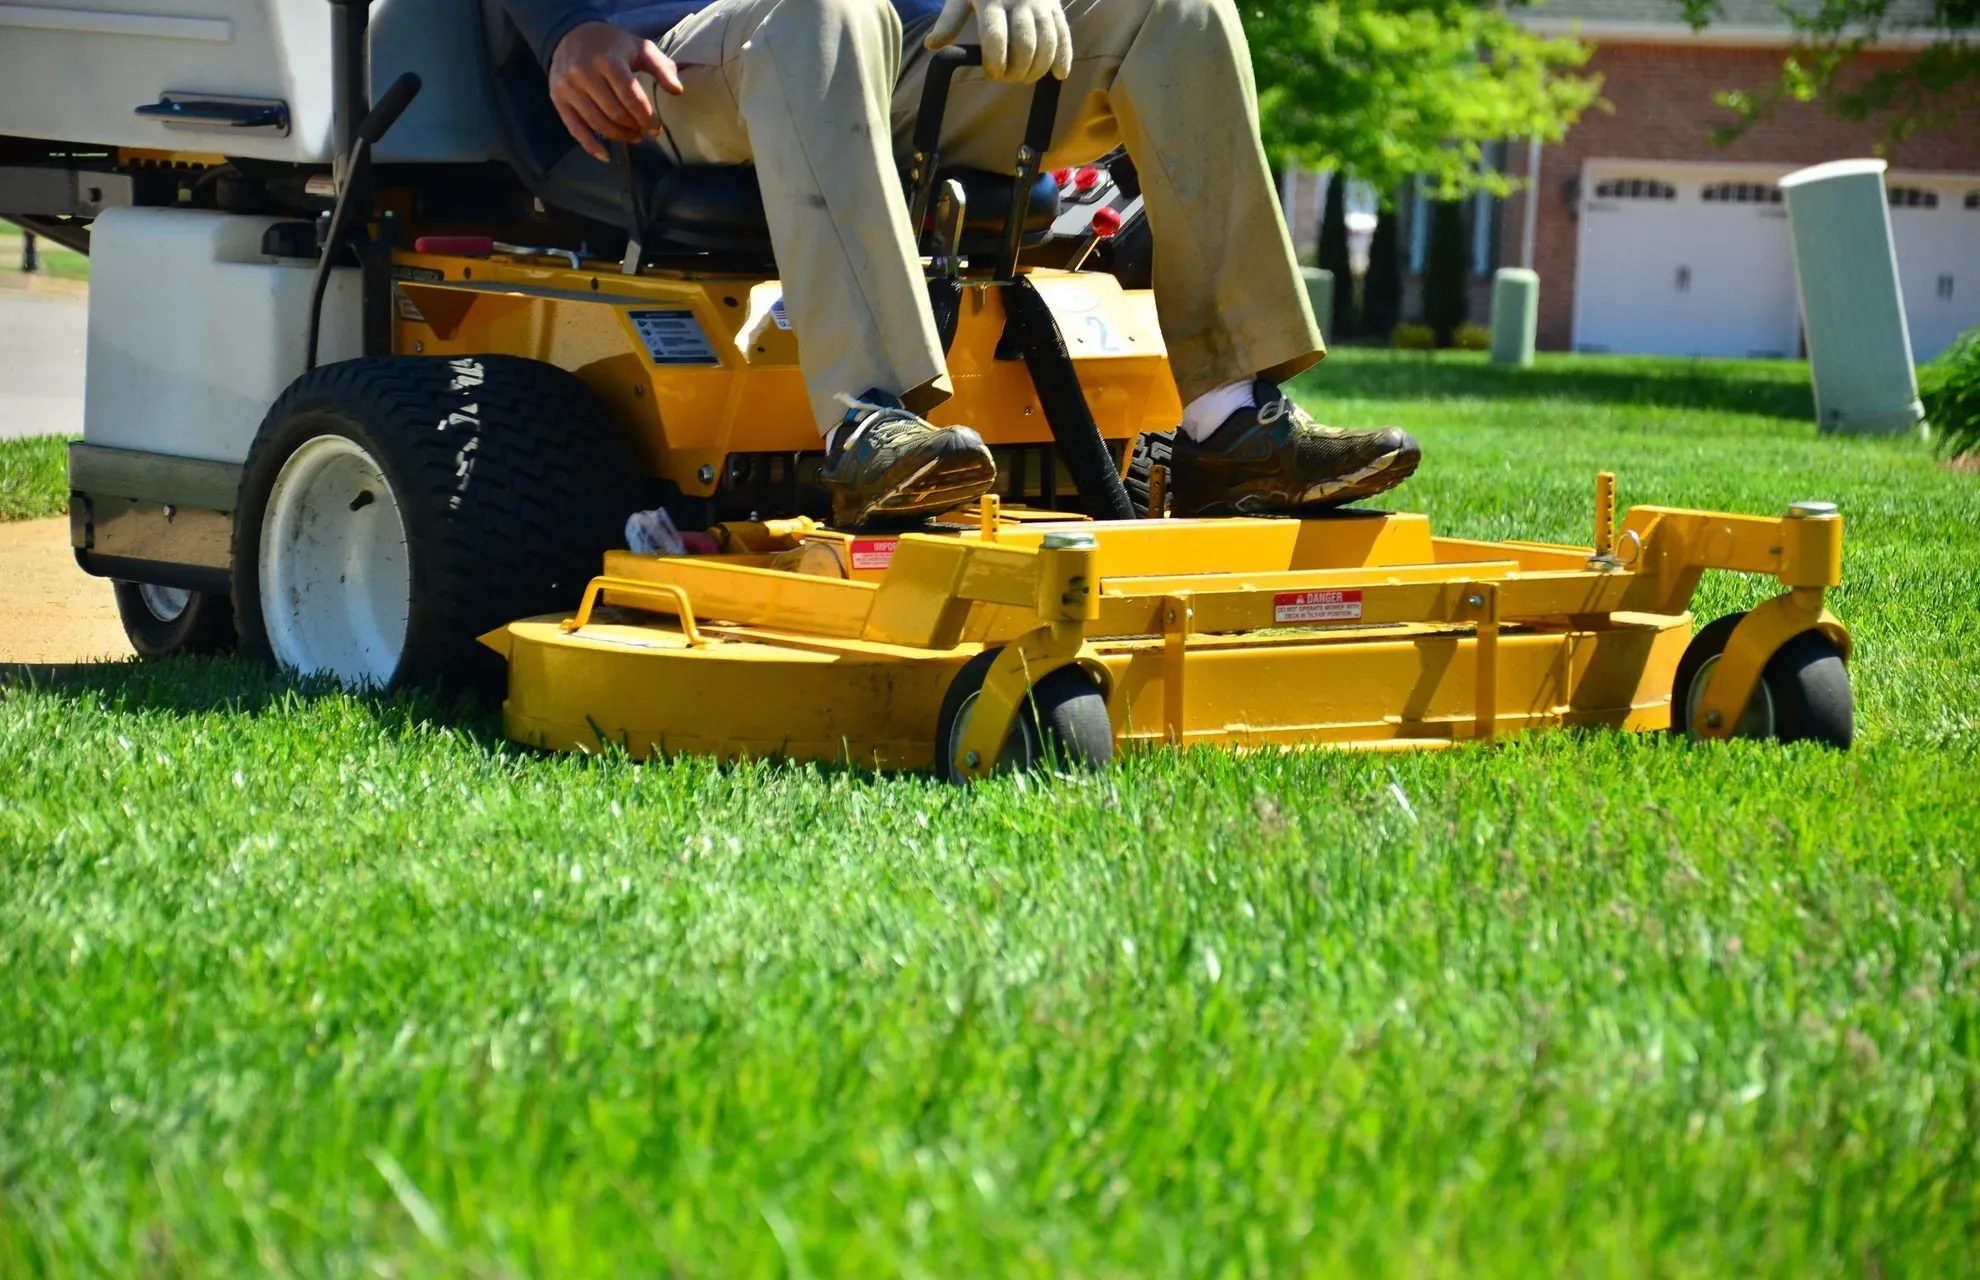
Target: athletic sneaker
(1272, 458)
(886, 462)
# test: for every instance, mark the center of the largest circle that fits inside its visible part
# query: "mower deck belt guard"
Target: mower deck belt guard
(1357, 629)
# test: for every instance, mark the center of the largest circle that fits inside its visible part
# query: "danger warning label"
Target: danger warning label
(1316, 606)
(873, 553)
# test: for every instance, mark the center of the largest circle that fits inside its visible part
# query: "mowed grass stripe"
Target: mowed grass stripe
(305, 983)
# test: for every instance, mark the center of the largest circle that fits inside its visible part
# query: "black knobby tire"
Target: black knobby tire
(1063, 724)
(205, 625)
(512, 480)
(1151, 448)
(1806, 680)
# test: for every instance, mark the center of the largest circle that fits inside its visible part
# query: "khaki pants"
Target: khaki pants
(821, 97)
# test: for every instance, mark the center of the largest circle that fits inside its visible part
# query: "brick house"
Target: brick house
(1648, 237)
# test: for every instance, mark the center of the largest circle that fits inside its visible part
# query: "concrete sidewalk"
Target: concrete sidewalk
(42, 338)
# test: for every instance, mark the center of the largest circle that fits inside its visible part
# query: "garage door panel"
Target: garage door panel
(1677, 264)
(1935, 227)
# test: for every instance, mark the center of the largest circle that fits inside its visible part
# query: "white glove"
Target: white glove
(1022, 39)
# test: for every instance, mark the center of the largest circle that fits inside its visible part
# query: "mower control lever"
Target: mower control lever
(926, 157)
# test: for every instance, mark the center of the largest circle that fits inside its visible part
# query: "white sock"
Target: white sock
(1207, 412)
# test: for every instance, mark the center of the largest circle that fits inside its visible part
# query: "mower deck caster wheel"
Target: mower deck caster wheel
(1803, 694)
(162, 621)
(1062, 724)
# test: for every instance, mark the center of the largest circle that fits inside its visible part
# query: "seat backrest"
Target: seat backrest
(531, 136)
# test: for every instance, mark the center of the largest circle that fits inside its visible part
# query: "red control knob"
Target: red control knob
(1062, 176)
(1087, 178)
(1105, 222)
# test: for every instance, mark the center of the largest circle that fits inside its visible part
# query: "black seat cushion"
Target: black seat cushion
(722, 208)
(711, 208)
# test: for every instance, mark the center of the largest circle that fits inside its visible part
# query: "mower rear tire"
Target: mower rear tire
(162, 621)
(1151, 449)
(393, 508)
(1803, 695)
(1061, 726)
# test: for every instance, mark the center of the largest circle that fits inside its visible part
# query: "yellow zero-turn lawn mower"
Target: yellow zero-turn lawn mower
(376, 396)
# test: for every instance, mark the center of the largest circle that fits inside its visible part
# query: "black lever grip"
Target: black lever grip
(942, 67)
(380, 119)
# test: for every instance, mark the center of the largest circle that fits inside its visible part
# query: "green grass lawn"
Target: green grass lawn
(298, 983)
(34, 478)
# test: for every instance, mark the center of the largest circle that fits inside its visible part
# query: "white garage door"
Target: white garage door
(1935, 224)
(1682, 262)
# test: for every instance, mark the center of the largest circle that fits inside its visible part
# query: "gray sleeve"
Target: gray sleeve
(544, 22)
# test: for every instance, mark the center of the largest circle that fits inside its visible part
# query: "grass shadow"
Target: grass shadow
(191, 686)
(1769, 388)
(234, 686)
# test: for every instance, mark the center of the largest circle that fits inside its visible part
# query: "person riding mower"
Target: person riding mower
(530, 373)
(821, 96)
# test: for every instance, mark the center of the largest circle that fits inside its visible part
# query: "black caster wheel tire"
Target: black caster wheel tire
(162, 621)
(1062, 725)
(1151, 449)
(1803, 694)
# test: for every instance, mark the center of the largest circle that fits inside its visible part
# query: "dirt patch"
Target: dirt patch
(1971, 462)
(50, 610)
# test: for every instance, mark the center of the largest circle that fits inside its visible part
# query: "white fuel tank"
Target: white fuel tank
(193, 331)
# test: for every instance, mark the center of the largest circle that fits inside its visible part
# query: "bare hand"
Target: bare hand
(592, 85)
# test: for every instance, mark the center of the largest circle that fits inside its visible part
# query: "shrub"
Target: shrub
(1446, 273)
(1412, 335)
(1334, 257)
(1381, 300)
(1473, 337)
(1950, 388)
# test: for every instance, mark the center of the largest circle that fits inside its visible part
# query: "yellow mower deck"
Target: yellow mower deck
(1356, 629)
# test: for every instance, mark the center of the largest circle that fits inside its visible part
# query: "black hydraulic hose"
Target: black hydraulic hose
(1094, 474)
(356, 187)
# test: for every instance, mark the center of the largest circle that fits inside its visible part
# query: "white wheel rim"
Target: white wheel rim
(166, 604)
(335, 579)
(1757, 721)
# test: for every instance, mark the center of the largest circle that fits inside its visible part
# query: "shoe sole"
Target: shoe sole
(1377, 478)
(939, 485)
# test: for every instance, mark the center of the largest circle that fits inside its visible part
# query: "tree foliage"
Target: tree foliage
(1387, 89)
(1933, 87)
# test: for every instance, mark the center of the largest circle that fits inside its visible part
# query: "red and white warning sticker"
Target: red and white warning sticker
(1316, 606)
(873, 553)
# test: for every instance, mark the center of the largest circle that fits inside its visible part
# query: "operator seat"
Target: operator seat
(707, 208)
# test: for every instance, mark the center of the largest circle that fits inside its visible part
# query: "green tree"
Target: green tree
(1389, 89)
(1446, 272)
(1934, 87)
(1334, 258)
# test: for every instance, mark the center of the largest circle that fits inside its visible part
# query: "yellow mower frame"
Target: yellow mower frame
(1355, 630)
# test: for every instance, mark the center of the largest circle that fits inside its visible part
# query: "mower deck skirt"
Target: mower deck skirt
(1360, 630)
